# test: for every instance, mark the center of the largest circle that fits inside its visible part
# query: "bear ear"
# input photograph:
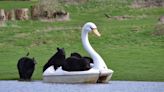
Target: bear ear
(58, 48)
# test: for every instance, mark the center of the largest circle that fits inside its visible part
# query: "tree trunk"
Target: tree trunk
(35, 12)
(22, 14)
(10, 15)
(2, 15)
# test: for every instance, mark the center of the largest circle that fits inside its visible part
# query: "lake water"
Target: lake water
(113, 86)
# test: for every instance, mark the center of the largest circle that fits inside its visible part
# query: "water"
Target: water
(113, 86)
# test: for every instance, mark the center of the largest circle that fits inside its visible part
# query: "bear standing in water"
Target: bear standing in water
(26, 67)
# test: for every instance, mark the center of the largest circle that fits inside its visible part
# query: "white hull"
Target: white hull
(90, 76)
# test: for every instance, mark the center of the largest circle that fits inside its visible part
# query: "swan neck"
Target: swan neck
(98, 61)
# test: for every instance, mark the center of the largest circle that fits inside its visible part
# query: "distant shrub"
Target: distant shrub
(49, 5)
(49, 10)
(147, 3)
(159, 30)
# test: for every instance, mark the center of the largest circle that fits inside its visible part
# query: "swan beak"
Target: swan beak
(96, 32)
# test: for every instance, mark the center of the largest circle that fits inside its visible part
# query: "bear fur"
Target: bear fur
(56, 60)
(26, 67)
(77, 63)
(79, 56)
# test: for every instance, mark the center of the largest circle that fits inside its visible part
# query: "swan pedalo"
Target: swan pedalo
(99, 73)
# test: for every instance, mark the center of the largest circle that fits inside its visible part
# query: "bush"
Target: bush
(147, 3)
(50, 5)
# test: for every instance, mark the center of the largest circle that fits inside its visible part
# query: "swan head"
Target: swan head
(91, 27)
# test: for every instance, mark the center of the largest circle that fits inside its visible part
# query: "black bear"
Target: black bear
(77, 63)
(75, 54)
(26, 68)
(56, 60)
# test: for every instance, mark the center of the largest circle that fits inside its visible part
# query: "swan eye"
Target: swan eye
(91, 28)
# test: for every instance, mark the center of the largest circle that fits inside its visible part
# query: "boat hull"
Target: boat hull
(90, 76)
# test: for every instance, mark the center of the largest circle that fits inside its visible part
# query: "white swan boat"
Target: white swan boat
(99, 73)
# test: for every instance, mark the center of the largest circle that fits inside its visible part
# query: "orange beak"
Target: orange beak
(96, 32)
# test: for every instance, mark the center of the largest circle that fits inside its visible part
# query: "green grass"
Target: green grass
(15, 4)
(133, 55)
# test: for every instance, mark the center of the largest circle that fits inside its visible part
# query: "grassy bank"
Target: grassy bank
(127, 46)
